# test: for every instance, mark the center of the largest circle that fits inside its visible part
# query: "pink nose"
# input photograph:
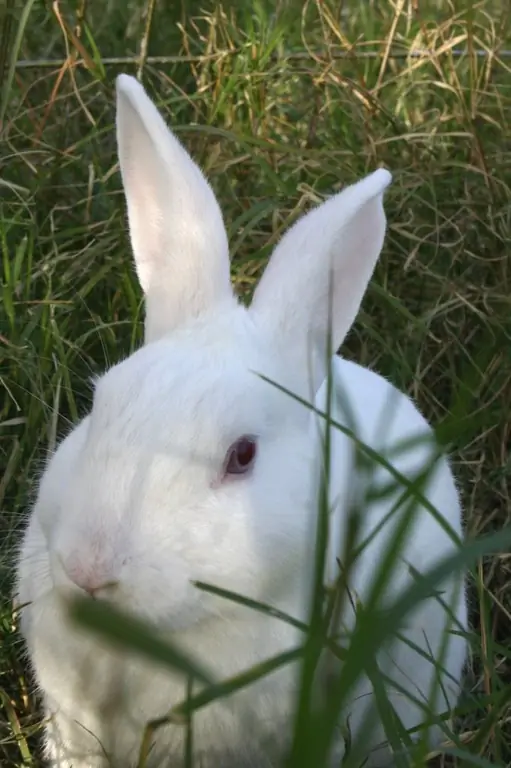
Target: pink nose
(92, 580)
(96, 590)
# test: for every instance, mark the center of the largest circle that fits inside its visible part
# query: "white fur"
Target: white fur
(133, 500)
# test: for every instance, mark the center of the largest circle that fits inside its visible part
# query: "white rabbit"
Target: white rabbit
(192, 467)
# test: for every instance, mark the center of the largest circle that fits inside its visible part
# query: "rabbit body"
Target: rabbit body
(139, 500)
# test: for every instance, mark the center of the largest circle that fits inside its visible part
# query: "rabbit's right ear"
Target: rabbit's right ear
(329, 252)
(177, 231)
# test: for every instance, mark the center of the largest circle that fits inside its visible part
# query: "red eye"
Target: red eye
(240, 456)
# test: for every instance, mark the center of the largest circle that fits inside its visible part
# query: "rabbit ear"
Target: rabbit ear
(177, 232)
(332, 250)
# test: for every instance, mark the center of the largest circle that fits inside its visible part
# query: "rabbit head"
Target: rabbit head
(191, 465)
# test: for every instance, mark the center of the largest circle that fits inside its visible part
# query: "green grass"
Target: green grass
(281, 106)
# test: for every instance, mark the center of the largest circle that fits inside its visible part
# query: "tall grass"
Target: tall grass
(282, 104)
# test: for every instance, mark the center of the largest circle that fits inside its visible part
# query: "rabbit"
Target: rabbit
(196, 464)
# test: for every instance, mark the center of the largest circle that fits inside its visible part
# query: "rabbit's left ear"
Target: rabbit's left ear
(177, 231)
(330, 251)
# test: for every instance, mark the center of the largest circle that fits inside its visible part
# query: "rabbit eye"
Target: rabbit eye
(240, 456)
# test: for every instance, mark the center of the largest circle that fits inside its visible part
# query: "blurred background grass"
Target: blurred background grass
(282, 104)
